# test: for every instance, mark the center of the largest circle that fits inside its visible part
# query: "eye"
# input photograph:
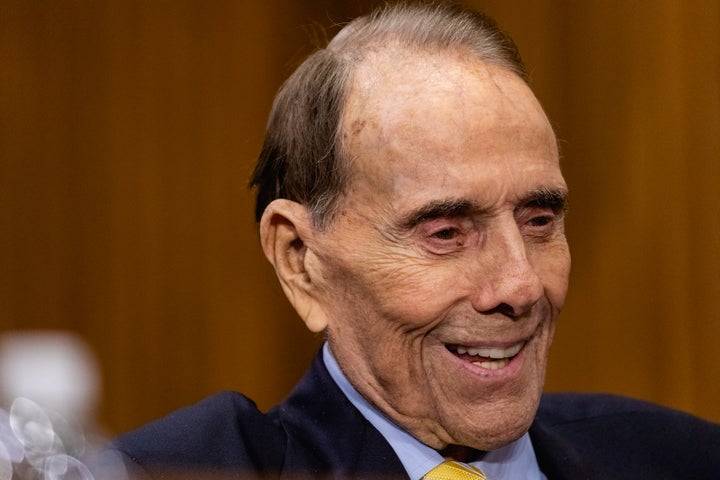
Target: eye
(446, 234)
(443, 236)
(541, 224)
(541, 221)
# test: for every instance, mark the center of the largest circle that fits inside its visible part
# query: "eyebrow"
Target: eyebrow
(437, 209)
(556, 200)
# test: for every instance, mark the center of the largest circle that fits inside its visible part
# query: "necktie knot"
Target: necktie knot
(450, 470)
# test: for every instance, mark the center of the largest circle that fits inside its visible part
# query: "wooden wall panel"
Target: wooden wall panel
(128, 131)
(640, 297)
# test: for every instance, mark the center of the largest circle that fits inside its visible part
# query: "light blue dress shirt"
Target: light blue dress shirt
(515, 461)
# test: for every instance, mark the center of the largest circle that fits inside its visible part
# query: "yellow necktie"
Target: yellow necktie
(455, 471)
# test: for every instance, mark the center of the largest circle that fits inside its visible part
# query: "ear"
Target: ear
(285, 228)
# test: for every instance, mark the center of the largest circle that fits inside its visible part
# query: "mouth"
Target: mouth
(486, 357)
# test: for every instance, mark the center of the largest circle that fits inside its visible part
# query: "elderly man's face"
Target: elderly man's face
(446, 266)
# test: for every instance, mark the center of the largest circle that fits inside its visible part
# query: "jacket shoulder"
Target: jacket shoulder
(561, 408)
(224, 431)
(621, 434)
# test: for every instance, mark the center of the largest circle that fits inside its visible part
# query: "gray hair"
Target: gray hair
(303, 158)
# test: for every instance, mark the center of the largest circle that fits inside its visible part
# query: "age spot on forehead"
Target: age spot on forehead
(357, 126)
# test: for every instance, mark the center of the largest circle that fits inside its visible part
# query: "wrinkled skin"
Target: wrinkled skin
(450, 233)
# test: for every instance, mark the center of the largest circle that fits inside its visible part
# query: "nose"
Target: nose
(506, 281)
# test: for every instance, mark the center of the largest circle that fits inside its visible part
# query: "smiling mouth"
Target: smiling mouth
(490, 358)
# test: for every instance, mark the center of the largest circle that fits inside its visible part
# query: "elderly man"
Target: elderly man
(411, 201)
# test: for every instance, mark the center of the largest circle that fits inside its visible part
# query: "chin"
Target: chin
(497, 439)
(494, 428)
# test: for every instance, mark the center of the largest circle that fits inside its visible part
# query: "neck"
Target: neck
(461, 453)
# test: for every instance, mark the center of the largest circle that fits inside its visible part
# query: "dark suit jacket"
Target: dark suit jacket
(317, 432)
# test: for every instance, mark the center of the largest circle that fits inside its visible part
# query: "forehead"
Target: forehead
(416, 119)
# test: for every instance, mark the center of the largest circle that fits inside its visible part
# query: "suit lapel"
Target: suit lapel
(328, 436)
(557, 458)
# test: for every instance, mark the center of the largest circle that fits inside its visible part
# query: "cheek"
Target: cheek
(417, 293)
(552, 265)
(390, 287)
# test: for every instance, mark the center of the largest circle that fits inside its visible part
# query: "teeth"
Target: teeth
(493, 365)
(500, 356)
(497, 353)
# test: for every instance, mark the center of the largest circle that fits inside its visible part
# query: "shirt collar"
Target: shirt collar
(514, 461)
